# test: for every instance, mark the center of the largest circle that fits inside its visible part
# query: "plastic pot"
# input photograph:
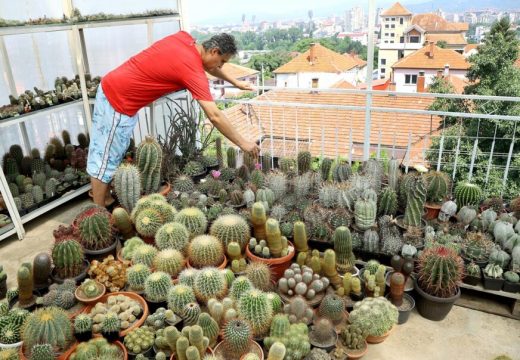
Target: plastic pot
(55, 278)
(277, 265)
(471, 280)
(492, 283)
(511, 287)
(404, 314)
(432, 307)
(432, 211)
(102, 253)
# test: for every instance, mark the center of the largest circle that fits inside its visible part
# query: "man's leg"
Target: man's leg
(99, 191)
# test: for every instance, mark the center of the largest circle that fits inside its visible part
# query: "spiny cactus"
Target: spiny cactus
(194, 220)
(95, 229)
(231, 228)
(187, 276)
(304, 162)
(277, 183)
(375, 316)
(149, 160)
(190, 313)
(326, 165)
(274, 237)
(231, 157)
(25, 286)
(169, 261)
(205, 250)
(467, 194)
(258, 219)
(415, 199)
(237, 336)
(257, 309)
(300, 237)
(365, 214)
(440, 271)
(371, 241)
(389, 235)
(328, 195)
(123, 223)
(137, 275)
(179, 296)
(144, 254)
(343, 248)
(67, 257)
(148, 222)
(239, 287)
(172, 235)
(157, 285)
(286, 340)
(127, 183)
(111, 323)
(437, 185)
(387, 202)
(183, 183)
(210, 283)
(48, 325)
(259, 274)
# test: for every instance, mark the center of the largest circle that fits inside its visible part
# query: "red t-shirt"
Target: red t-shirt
(169, 65)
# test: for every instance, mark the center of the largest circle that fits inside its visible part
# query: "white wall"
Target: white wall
(399, 78)
(304, 79)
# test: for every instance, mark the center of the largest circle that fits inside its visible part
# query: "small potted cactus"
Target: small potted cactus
(156, 288)
(322, 334)
(237, 341)
(404, 302)
(512, 282)
(83, 327)
(351, 343)
(472, 275)
(376, 316)
(140, 341)
(89, 291)
(492, 275)
(195, 170)
(437, 188)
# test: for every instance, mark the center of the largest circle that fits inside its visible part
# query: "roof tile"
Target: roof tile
(235, 71)
(420, 59)
(396, 10)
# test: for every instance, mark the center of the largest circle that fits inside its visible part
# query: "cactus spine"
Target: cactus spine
(148, 160)
(343, 248)
(304, 162)
(127, 183)
(365, 214)
(415, 199)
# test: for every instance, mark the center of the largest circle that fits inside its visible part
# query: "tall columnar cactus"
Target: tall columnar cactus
(467, 194)
(365, 214)
(157, 285)
(220, 156)
(274, 237)
(205, 250)
(25, 286)
(173, 235)
(237, 335)
(48, 325)
(371, 241)
(210, 328)
(341, 172)
(374, 170)
(210, 283)
(266, 161)
(95, 228)
(440, 271)
(41, 269)
(437, 185)
(257, 178)
(387, 202)
(329, 268)
(304, 162)
(258, 219)
(257, 309)
(415, 199)
(231, 228)
(231, 157)
(343, 248)
(179, 296)
(137, 275)
(300, 237)
(16, 153)
(170, 261)
(326, 165)
(127, 183)
(194, 220)
(67, 257)
(148, 160)
(394, 173)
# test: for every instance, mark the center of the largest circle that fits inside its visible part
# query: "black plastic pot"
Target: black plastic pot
(492, 283)
(111, 336)
(3, 288)
(55, 278)
(511, 287)
(81, 337)
(153, 306)
(404, 314)
(102, 253)
(197, 178)
(471, 280)
(432, 307)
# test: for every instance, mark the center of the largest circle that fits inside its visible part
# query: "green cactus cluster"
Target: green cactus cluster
(90, 288)
(67, 257)
(149, 160)
(332, 307)
(286, 339)
(98, 348)
(389, 235)
(190, 344)
(193, 168)
(415, 200)
(48, 325)
(157, 286)
(231, 228)
(111, 323)
(210, 282)
(139, 340)
(375, 316)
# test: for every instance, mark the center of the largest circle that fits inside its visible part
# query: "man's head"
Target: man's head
(218, 50)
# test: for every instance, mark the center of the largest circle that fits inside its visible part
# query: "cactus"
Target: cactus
(332, 307)
(42, 352)
(257, 309)
(156, 286)
(127, 184)
(25, 286)
(37, 194)
(493, 271)
(300, 237)
(239, 287)
(82, 324)
(286, 340)
(179, 296)
(437, 185)
(371, 241)
(328, 195)
(259, 274)
(231, 157)
(137, 276)
(194, 220)
(27, 200)
(148, 160)
(237, 336)
(187, 277)
(122, 222)
(190, 313)
(172, 235)
(210, 283)
(41, 269)
(51, 187)
(440, 271)
(511, 276)
(169, 261)
(183, 183)
(148, 222)
(326, 165)
(389, 235)
(341, 172)
(257, 179)
(231, 228)
(244, 173)
(304, 162)
(329, 268)
(258, 219)
(274, 237)
(48, 325)
(218, 148)
(144, 254)
(374, 170)
(343, 248)
(95, 229)
(387, 202)
(375, 316)
(415, 199)
(16, 152)
(67, 257)
(236, 198)
(365, 214)
(205, 250)
(111, 323)
(467, 194)
(90, 289)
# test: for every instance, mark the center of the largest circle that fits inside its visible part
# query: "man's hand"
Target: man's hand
(251, 148)
(244, 85)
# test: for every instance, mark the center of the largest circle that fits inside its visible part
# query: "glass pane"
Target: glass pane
(163, 29)
(23, 62)
(87, 7)
(24, 10)
(10, 135)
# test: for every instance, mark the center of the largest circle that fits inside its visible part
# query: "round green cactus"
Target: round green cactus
(144, 254)
(42, 352)
(276, 301)
(48, 325)
(82, 324)
(210, 283)
(239, 287)
(165, 210)
(179, 296)
(205, 250)
(194, 220)
(9, 333)
(440, 271)
(467, 194)
(259, 274)
(231, 228)
(237, 335)
(190, 313)
(169, 261)
(173, 235)
(68, 257)
(365, 214)
(157, 285)
(187, 276)
(332, 307)
(257, 309)
(438, 186)
(376, 316)
(210, 327)
(136, 276)
(95, 228)
(111, 323)
(148, 222)
(183, 183)
(123, 223)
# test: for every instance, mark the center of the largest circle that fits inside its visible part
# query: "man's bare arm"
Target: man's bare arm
(222, 74)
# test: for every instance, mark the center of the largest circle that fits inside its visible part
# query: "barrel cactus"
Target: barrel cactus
(375, 316)
(239, 287)
(49, 325)
(440, 271)
(205, 250)
(237, 335)
(365, 214)
(259, 274)
(127, 184)
(156, 286)
(173, 235)
(210, 283)
(194, 220)
(183, 184)
(387, 202)
(254, 307)
(137, 275)
(95, 228)
(67, 257)
(437, 185)
(169, 261)
(179, 296)
(332, 307)
(467, 194)
(231, 228)
(149, 161)
(415, 199)
(144, 254)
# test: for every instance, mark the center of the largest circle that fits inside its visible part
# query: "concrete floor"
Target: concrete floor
(464, 334)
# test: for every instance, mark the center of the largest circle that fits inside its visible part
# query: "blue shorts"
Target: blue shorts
(109, 138)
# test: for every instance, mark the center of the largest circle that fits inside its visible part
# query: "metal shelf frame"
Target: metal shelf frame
(81, 67)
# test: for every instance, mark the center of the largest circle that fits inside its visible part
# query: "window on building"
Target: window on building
(392, 34)
(401, 21)
(393, 26)
(401, 39)
(410, 79)
(383, 61)
(400, 54)
(387, 26)
(386, 41)
(386, 34)
(393, 19)
(315, 82)
(414, 39)
(383, 70)
(387, 19)
(391, 41)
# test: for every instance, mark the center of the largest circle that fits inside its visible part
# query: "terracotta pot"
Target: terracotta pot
(118, 343)
(80, 295)
(432, 211)
(64, 356)
(165, 189)
(221, 266)
(209, 351)
(254, 347)
(379, 339)
(277, 265)
(131, 295)
(356, 354)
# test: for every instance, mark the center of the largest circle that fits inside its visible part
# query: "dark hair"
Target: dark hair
(225, 43)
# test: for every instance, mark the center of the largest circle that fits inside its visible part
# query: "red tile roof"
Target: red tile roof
(451, 39)
(235, 71)
(359, 62)
(435, 23)
(396, 10)
(253, 120)
(421, 59)
(342, 84)
(325, 60)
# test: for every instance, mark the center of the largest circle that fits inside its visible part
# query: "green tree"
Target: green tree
(443, 44)
(270, 61)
